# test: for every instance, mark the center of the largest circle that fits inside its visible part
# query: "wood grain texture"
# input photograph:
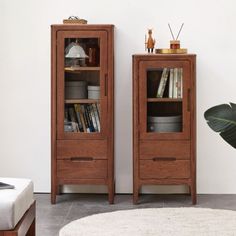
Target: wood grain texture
(136, 186)
(53, 113)
(193, 107)
(80, 148)
(177, 149)
(26, 226)
(169, 181)
(150, 169)
(66, 145)
(94, 169)
(93, 181)
(111, 109)
(163, 158)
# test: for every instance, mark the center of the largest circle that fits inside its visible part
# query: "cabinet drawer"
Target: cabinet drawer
(82, 169)
(177, 149)
(168, 169)
(82, 148)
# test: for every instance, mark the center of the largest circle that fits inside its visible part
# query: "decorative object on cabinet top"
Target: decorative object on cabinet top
(149, 42)
(174, 44)
(74, 20)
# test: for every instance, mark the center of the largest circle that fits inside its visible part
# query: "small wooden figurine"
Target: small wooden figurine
(150, 42)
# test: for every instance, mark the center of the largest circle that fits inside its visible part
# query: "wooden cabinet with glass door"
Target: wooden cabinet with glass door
(82, 105)
(164, 121)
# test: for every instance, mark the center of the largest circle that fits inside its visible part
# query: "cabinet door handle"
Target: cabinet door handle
(105, 85)
(189, 100)
(77, 159)
(164, 159)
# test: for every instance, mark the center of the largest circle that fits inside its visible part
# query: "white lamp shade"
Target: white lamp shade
(75, 51)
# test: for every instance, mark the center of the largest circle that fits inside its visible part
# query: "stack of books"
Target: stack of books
(173, 77)
(82, 118)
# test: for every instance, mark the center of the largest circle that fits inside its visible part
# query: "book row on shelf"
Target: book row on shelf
(174, 78)
(82, 118)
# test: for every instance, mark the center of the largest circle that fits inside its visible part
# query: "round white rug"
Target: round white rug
(155, 222)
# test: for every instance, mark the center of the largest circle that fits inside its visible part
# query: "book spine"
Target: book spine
(161, 82)
(99, 110)
(175, 84)
(171, 81)
(164, 82)
(66, 117)
(75, 126)
(72, 114)
(77, 111)
(93, 118)
(83, 118)
(96, 116)
(181, 83)
(90, 127)
(89, 114)
(73, 118)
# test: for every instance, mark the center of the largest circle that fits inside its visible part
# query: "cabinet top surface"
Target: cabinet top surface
(81, 26)
(159, 55)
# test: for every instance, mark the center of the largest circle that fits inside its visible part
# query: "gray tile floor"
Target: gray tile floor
(69, 207)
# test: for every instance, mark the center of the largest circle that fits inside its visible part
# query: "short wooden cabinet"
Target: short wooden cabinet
(82, 132)
(164, 121)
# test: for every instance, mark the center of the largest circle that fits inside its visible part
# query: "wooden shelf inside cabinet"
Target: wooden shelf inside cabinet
(82, 68)
(74, 101)
(164, 100)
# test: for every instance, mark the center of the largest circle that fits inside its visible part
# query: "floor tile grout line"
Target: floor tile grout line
(67, 213)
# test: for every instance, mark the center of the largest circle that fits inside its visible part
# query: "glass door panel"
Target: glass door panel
(163, 101)
(82, 85)
(82, 72)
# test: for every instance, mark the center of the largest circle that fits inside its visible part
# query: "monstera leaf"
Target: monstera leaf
(222, 119)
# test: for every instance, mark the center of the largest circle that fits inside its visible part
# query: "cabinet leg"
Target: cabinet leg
(59, 187)
(111, 190)
(135, 195)
(193, 194)
(189, 189)
(53, 198)
(54, 194)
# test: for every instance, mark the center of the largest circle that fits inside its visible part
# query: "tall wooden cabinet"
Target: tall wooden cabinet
(82, 106)
(164, 121)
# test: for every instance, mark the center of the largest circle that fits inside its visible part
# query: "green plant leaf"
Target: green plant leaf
(222, 118)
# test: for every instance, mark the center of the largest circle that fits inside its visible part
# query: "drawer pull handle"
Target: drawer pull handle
(164, 159)
(75, 159)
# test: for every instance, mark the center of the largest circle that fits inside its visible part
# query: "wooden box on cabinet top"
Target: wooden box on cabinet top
(164, 89)
(82, 127)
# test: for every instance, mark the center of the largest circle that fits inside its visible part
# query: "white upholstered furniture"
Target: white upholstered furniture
(17, 208)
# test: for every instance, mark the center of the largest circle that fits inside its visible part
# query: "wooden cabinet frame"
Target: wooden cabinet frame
(92, 154)
(164, 158)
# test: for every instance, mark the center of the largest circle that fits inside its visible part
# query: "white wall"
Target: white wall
(209, 31)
